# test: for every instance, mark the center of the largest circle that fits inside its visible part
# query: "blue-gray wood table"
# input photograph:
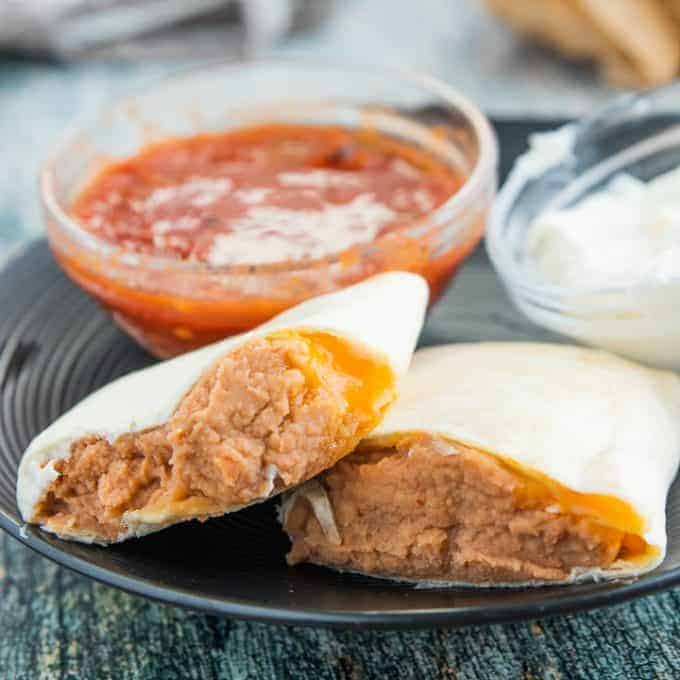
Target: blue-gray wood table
(54, 623)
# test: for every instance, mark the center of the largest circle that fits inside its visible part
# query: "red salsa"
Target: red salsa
(275, 213)
(270, 194)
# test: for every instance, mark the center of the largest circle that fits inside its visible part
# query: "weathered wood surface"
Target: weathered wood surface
(56, 624)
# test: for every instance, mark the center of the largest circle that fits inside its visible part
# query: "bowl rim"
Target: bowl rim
(531, 286)
(485, 166)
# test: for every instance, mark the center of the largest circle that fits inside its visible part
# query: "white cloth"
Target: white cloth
(141, 28)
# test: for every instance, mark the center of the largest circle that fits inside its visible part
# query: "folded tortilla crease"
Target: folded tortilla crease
(502, 464)
(227, 425)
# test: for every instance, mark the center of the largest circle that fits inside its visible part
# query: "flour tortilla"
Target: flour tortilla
(383, 316)
(591, 421)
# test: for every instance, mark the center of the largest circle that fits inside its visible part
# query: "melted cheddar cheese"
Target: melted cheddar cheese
(371, 384)
(612, 519)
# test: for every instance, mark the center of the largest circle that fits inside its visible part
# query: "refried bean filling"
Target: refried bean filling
(422, 507)
(272, 413)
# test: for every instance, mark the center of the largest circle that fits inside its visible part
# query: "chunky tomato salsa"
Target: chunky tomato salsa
(270, 216)
(269, 194)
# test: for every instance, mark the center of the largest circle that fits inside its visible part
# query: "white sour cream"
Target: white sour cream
(606, 270)
(626, 235)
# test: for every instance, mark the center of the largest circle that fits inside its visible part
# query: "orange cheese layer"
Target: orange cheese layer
(372, 385)
(612, 519)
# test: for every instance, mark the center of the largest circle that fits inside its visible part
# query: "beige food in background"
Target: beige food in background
(636, 43)
(502, 463)
(227, 425)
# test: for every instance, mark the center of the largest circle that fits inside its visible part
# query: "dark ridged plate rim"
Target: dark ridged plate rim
(121, 567)
(611, 594)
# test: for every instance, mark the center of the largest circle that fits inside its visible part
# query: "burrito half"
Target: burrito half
(227, 425)
(502, 464)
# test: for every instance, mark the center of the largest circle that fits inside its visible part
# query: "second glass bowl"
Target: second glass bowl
(638, 135)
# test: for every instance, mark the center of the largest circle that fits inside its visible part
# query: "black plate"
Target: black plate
(57, 346)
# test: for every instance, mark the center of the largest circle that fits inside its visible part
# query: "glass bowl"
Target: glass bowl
(638, 135)
(171, 306)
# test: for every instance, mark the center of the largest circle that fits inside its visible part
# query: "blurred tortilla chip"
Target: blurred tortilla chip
(634, 42)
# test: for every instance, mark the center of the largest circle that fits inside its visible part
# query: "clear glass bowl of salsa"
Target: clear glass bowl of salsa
(211, 202)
